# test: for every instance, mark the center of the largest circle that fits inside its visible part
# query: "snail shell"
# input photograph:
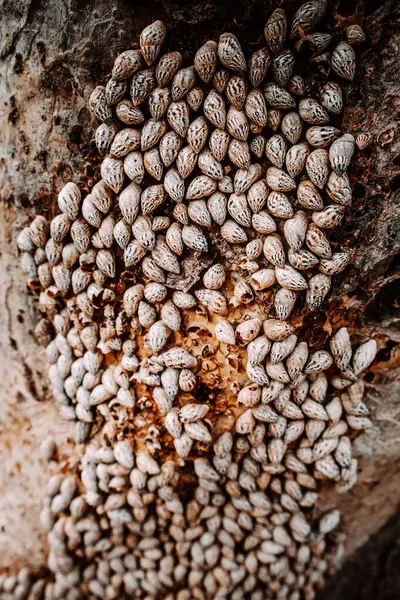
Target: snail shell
(296, 158)
(332, 97)
(213, 300)
(341, 152)
(219, 143)
(233, 233)
(115, 91)
(321, 136)
(291, 127)
(182, 82)
(277, 97)
(214, 109)
(174, 185)
(206, 59)
(151, 40)
(312, 112)
(195, 98)
(125, 141)
(158, 102)
(194, 238)
(236, 91)
(230, 52)
(275, 30)
(217, 207)
(279, 181)
(169, 147)
(220, 79)
(141, 85)
(178, 117)
(152, 132)
(258, 65)
(308, 15)
(282, 66)
(167, 66)
(98, 104)
(104, 135)
(275, 150)
(344, 61)
(296, 85)
(69, 199)
(355, 35)
(199, 214)
(279, 205)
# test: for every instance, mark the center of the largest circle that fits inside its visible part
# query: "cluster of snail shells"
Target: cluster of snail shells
(290, 393)
(240, 537)
(98, 238)
(234, 203)
(173, 184)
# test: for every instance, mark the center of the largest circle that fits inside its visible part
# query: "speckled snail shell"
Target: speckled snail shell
(205, 60)
(230, 52)
(344, 61)
(355, 35)
(151, 40)
(167, 66)
(275, 30)
(308, 15)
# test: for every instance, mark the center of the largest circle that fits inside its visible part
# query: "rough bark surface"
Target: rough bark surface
(53, 53)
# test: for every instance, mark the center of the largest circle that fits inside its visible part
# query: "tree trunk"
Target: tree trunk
(53, 54)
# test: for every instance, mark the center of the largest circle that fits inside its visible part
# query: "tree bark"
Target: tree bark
(53, 54)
